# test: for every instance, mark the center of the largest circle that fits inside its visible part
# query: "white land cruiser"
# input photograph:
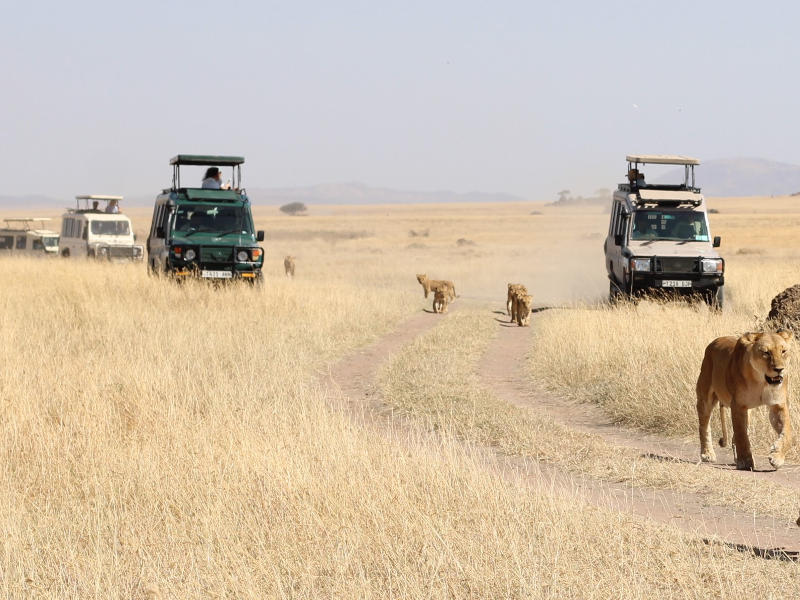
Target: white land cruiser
(18, 237)
(89, 231)
(659, 237)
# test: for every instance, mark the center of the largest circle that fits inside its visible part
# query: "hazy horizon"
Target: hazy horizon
(515, 98)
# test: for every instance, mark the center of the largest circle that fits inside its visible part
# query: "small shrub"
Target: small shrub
(294, 208)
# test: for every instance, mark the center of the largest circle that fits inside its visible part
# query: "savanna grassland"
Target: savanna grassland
(164, 441)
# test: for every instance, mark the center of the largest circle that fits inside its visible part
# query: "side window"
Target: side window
(620, 222)
(85, 226)
(21, 242)
(612, 225)
(6, 242)
(156, 220)
(64, 225)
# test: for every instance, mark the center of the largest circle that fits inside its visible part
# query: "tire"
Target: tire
(65, 253)
(614, 293)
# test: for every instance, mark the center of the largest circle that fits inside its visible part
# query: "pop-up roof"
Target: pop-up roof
(24, 223)
(661, 159)
(206, 160)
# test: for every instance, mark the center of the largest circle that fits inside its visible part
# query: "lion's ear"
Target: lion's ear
(785, 334)
(749, 338)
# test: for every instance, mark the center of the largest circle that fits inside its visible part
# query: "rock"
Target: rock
(785, 311)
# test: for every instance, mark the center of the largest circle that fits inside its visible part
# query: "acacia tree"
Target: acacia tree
(294, 208)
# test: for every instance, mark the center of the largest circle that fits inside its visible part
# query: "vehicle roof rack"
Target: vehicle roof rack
(662, 159)
(206, 160)
(25, 222)
(98, 197)
(668, 198)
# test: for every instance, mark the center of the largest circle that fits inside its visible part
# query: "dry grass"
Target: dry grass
(434, 380)
(641, 362)
(172, 441)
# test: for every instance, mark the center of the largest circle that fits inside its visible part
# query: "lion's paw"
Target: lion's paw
(708, 457)
(723, 443)
(776, 460)
(745, 464)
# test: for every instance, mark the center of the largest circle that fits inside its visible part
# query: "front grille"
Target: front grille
(216, 254)
(120, 252)
(676, 264)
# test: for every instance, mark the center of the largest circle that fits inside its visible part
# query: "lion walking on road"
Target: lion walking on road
(741, 374)
(428, 285)
(288, 266)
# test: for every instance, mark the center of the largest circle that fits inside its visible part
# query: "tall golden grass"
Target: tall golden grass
(641, 361)
(174, 441)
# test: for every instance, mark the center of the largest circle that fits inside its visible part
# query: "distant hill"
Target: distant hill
(359, 193)
(744, 177)
(32, 201)
(332, 193)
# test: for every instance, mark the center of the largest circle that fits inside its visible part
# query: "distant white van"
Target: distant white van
(22, 237)
(94, 232)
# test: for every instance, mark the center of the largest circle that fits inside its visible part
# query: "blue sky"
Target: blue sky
(520, 97)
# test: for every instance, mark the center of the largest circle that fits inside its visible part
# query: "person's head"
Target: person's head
(95, 204)
(632, 175)
(213, 173)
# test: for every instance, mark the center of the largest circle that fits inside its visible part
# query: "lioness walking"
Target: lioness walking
(740, 374)
(288, 266)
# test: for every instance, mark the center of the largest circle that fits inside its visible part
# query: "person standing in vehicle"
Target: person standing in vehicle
(113, 207)
(213, 179)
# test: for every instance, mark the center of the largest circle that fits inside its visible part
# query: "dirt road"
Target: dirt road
(355, 378)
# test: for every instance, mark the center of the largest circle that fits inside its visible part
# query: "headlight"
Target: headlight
(711, 265)
(242, 256)
(190, 254)
(640, 264)
(103, 250)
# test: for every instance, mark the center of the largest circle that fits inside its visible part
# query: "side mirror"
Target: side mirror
(134, 236)
(618, 239)
(260, 235)
(717, 241)
(160, 232)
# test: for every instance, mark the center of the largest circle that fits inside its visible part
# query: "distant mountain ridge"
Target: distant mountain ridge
(744, 177)
(360, 193)
(330, 193)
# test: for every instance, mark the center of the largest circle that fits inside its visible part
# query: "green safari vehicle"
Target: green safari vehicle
(205, 233)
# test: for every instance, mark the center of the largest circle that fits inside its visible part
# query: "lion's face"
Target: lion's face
(768, 353)
(421, 278)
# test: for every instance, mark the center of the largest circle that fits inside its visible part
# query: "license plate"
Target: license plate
(216, 274)
(676, 283)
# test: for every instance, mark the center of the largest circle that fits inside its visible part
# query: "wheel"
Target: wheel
(65, 253)
(614, 293)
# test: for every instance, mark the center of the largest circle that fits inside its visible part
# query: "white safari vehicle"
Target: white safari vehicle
(94, 232)
(26, 237)
(659, 238)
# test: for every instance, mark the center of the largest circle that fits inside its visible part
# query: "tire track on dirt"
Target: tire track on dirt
(502, 369)
(504, 372)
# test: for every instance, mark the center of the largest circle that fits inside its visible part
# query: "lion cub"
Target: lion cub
(440, 301)
(523, 303)
(520, 311)
(429, 285)
(288, 266)
(740, 374)
(512, 289)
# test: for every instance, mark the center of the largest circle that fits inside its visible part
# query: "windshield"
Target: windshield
(684, 226)
(111, 228)
(50, 241)
(218, 218)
